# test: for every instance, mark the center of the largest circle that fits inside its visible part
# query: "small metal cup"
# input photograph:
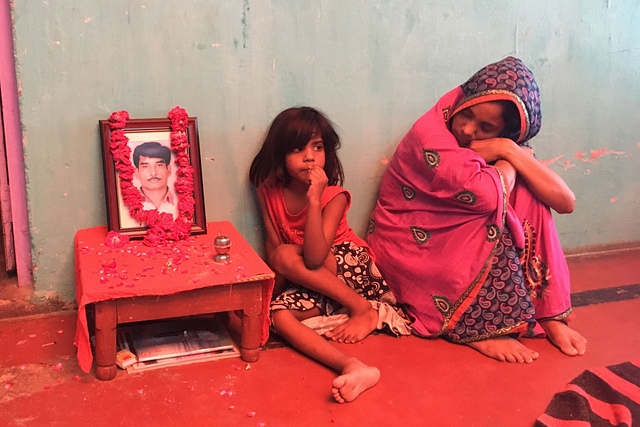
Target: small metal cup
(222, 259)
(222, 244)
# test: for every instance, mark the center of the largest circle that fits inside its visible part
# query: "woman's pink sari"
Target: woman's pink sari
(442, 228)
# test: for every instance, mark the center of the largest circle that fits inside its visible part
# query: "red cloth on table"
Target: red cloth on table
(134, 270)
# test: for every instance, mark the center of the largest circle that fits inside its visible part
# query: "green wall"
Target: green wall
(374, 66)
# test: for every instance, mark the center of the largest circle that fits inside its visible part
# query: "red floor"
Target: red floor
(424, 382)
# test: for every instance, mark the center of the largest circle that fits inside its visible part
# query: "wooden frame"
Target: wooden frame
(141, 131)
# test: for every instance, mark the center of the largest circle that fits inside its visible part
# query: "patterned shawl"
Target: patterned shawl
(508, 80)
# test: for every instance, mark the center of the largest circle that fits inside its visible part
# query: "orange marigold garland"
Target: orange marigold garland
(162, 226)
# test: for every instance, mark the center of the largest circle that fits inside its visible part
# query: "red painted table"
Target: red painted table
(137, 283)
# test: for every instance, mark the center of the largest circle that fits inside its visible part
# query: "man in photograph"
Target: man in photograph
(153, 168)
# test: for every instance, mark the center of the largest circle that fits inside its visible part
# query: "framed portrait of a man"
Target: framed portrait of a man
(146, 176)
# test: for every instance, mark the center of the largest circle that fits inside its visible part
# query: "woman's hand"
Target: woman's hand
(317, 182)
(492, 149)
(528, 151)
(547, 185)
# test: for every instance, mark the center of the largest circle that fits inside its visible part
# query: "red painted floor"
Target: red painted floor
(590, 272)
(424, 382)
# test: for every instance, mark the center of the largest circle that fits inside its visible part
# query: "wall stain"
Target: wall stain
(245, 32)
(566, 164)
(411, 20)
(548, 162)
(595, 154)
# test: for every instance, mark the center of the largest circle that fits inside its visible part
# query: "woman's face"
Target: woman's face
(480, 121)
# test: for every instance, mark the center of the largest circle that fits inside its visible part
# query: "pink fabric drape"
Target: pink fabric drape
(436, 222)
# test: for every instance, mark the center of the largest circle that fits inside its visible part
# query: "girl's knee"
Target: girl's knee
(283, 257)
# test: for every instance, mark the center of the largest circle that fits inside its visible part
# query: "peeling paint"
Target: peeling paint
(548, 162)
(595, 154)
(245, 31)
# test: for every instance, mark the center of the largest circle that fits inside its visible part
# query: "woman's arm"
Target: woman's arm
(508, 173)
(547, 185)
(322, 224)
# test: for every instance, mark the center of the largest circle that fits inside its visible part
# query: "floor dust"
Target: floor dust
(27, 379)
(18, 302)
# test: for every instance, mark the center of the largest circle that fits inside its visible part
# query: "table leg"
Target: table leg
(106, 324)
(250, 335)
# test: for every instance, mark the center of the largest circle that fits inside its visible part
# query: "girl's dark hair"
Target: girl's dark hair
(511, 118)
(293, 128)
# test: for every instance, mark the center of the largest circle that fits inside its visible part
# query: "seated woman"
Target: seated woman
(463, 228)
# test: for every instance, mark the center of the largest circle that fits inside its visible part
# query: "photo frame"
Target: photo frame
(142, 135)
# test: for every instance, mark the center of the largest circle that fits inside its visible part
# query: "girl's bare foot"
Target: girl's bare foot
(355, 379)
(569, 342)
(356, 328)
(505, 349)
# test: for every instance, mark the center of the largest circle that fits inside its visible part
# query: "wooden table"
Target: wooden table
(137, 283)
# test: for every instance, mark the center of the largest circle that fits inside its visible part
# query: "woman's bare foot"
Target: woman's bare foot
(505, 349)
(569, 342)
(355, 379)
(356, 328)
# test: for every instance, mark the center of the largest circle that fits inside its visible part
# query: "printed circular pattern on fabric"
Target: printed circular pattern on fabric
(513, 76)
(356, 269)
(362, 276)
(420, 235)
(431, 158)
(501, 304)
(442, 304)
(493, 232)
(372, 226)
(466, 197)
(407, 192)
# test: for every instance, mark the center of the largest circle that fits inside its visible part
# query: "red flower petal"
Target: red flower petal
(115, 240)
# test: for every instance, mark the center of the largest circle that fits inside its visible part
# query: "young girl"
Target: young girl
(322, 265)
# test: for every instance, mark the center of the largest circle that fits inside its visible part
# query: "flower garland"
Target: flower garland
(162, 226)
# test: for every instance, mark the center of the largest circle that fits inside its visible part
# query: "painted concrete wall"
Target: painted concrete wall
(374, 66)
